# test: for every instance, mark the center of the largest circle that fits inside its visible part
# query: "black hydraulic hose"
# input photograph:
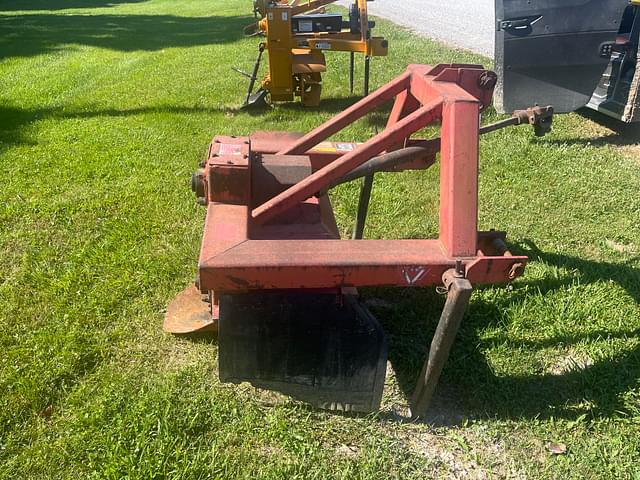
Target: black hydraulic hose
(387, 161)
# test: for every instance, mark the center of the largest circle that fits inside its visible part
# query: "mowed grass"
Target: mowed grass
(105, 110)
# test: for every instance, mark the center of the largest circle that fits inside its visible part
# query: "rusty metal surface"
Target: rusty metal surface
(273, 174)
(422, 93)
(273, 264)
(459, 292)
(323, 177)
(189, 313)
(291, 241)
(227, 172)
(278, 238)
(541, 118)
(495, 263)
(459, 179)
(495, 269)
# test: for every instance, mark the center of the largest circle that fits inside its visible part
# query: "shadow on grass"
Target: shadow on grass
(327, 105)
(29, 35)
(623, 134)
(25, 5)
(595, 389)
(377, 118)
(14, 122)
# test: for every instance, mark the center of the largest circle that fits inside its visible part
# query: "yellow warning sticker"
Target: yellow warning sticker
(326, 147)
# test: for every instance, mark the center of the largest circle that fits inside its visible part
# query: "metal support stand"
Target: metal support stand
(365, 192)
(367, 67)
(459, 289)
(352, 66)
(253, 78)
(363, 207)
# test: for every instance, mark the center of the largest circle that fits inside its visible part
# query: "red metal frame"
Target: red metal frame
(291, 241)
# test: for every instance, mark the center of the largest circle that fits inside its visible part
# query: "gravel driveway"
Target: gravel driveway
(464, 23)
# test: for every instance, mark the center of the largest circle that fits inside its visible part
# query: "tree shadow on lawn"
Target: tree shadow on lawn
(472, 388)
(377, 118)
(29, 35)
(14, 121)
(18, 5)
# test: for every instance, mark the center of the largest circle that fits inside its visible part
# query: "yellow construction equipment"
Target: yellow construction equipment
(297, 34)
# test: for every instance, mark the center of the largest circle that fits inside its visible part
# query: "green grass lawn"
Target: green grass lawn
(106, 107)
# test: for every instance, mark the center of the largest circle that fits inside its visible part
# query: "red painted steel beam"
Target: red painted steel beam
(404, 104)
(425, 87)
(225, 227)
(284, 264)
(325, 176)
(350, 115)
(296, 264)
(324, 153)
(230, 261)
(459, 177)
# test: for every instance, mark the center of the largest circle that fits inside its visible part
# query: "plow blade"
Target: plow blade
(188, 313)
(256, 101)
(304, 345)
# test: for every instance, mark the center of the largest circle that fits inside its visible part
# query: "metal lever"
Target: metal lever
(241, 72)
(254, 76)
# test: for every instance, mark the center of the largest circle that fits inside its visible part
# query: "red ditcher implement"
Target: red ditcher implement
(281, 285)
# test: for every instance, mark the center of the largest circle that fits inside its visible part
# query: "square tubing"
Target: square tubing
(459, 293)
(350, 115)
(459, 178)
(404, 104)
(323, 177)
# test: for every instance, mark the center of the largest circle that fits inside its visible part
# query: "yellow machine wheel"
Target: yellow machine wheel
(308, 88)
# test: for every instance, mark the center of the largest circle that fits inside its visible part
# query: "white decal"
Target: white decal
(285, 16)
(344, 147)
(413, 274)
(323, 46)
(230, 149)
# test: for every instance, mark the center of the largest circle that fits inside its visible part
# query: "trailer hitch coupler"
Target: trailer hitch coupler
(541, 118)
